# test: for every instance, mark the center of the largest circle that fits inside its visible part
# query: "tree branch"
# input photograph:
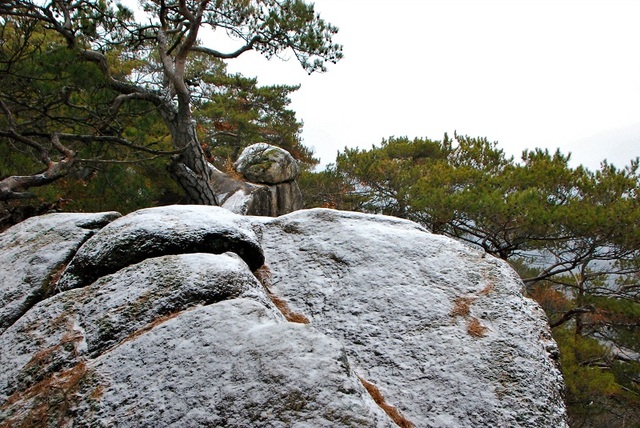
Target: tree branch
(110, 161)
(145, 96)
(13, 187)
(572, 313)
(117, 85)
(221, 55)
(117, 140)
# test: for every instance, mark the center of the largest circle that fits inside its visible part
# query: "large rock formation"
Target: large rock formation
(191, 316)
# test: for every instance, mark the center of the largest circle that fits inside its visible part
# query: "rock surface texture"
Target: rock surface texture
(267, 164)
(190, 316)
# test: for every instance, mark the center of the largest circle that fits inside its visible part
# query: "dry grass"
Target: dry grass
(156, 322)
(284, 308)
(391, 411)
(230, 170)
(44, 356)
(43, 362)
(48, 402)
(54, 277)
(263, 274)
(461, 306)
(488, 289)
(475, 329)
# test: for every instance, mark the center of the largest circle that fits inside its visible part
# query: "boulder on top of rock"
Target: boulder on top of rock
(242, 197)
(35, 250)
(155, 232)
(264, 163)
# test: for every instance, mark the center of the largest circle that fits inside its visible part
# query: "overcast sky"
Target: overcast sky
(545, 73)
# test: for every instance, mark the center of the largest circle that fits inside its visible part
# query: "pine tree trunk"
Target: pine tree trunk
(580, 303)
(190, 168)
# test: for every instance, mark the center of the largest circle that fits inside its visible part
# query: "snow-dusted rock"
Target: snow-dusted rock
(82, 323)
(267, 164)
(270, 189)
(159, 231)
(34, 252)
(230, 367)
(440, 328)
(181, 338)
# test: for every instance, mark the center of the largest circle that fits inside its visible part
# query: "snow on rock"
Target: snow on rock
(442, 329)
(154, 330)
(158, 231)
(230, 366)
(237, 202)
(33, 252)
(72, 326)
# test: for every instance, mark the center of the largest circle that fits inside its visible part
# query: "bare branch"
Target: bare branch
(224, 134)
(221, 55)
(177, 42)
(118, 85)
(13, 134)
(13, 187)
(572, 313)
(145, 96)
(116, 140)
(167, 63)
(186, 12)
(110, 161)
(194, 27)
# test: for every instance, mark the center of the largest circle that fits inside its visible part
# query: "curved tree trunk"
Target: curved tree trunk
(190, 168)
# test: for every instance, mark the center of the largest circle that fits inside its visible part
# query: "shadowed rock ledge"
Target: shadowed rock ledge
(159, 319)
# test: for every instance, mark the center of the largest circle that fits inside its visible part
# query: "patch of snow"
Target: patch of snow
(81, 343)
(238, 202)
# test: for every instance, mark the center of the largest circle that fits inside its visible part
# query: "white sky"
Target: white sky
(545, 73)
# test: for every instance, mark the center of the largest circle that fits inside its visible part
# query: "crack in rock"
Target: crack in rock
(161, 231)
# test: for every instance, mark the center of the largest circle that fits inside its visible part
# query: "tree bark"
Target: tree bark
(190, 168)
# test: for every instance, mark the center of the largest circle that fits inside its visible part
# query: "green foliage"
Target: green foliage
(598, 393)
(327, 189)
(580, 357)
(383, 175)
(47, 90)
(464, 187)
(233, 112)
